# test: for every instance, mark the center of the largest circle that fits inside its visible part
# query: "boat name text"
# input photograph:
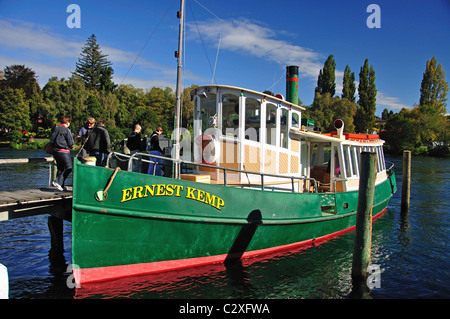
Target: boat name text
(169, 190)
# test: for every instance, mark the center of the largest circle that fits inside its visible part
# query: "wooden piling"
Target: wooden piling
(55, 226)
(363, 238)
(406, 184)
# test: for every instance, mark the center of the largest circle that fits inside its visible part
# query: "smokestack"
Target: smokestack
(292, 84)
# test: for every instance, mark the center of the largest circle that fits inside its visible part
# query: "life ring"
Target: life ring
(209, 148)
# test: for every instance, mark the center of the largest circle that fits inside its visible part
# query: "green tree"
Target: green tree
(106, 83)
(162, 103)
(14, 110)
(326, 109)
(66, 97)
(93, 107)
(434, 88)
(20, 77)
(326, 82)
(401, 133)
(93, 66)
(365, 115)
(129, 99)
(386, 114)
(348, 85)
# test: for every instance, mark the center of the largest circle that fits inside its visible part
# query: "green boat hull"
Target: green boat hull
(150, 224)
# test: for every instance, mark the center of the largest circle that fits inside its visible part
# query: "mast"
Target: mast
(178, 54)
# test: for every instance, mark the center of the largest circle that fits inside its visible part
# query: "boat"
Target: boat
(254, 179)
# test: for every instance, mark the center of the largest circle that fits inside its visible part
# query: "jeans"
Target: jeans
(101, 158)
(137, 162)
(64, 165)
(158, 166)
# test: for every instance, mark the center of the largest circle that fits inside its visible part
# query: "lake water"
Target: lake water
(410, 249)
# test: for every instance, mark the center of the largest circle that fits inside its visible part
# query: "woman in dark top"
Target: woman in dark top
(62, 142)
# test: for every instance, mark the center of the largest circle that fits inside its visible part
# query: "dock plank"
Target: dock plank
(30, 202)
(44, 193)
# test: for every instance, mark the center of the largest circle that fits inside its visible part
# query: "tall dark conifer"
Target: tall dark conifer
(365, 115)
(433, 89)
(348, 85)
(326, 82)
(93, 66)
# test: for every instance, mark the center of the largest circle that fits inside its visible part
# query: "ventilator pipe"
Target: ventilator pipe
(339, 125)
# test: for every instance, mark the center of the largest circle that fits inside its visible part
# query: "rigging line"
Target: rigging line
(148, 39)
(217, 56)
(201, 5)
(273, 85)
(201, 39)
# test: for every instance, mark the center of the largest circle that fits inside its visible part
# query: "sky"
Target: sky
(243, 43)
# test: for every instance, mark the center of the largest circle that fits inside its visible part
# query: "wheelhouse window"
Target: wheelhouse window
(271, 113)
(230, 115)
(295, 120)
(284, 128)
(252, 119)
(208, 112)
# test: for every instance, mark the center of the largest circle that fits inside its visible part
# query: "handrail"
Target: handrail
(391, 167)
(224, 169)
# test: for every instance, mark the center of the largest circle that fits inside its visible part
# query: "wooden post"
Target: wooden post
(55, 226)
(56, 252)
(363, 238)
(406, 185)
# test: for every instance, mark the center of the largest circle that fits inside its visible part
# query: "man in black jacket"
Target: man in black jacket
(155, 149)
(134, 145)
(101, 145)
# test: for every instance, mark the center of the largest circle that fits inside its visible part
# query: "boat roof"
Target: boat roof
(346, 138)
(261, 94)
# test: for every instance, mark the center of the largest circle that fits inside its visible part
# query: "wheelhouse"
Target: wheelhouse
(245, 130)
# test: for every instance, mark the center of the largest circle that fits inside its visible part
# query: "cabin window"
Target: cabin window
(295, 120)
(355, 160)
(252, 119)
(348, 161)
(208, 113)
(380, 159)
(284, 128)
(271, 133)
(336, 165)
(230, 115)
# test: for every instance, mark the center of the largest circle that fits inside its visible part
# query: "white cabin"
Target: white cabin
(250, 131)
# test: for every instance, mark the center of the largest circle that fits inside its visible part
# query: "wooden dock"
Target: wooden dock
(26, 160)
(31, 202)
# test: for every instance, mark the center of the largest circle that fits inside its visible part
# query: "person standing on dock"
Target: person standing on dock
(62, 142)
(84, 134)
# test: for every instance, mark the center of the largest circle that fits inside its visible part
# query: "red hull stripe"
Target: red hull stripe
(292, 79)
(97, 274)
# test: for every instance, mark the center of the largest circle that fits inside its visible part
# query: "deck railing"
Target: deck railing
(135, 157)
